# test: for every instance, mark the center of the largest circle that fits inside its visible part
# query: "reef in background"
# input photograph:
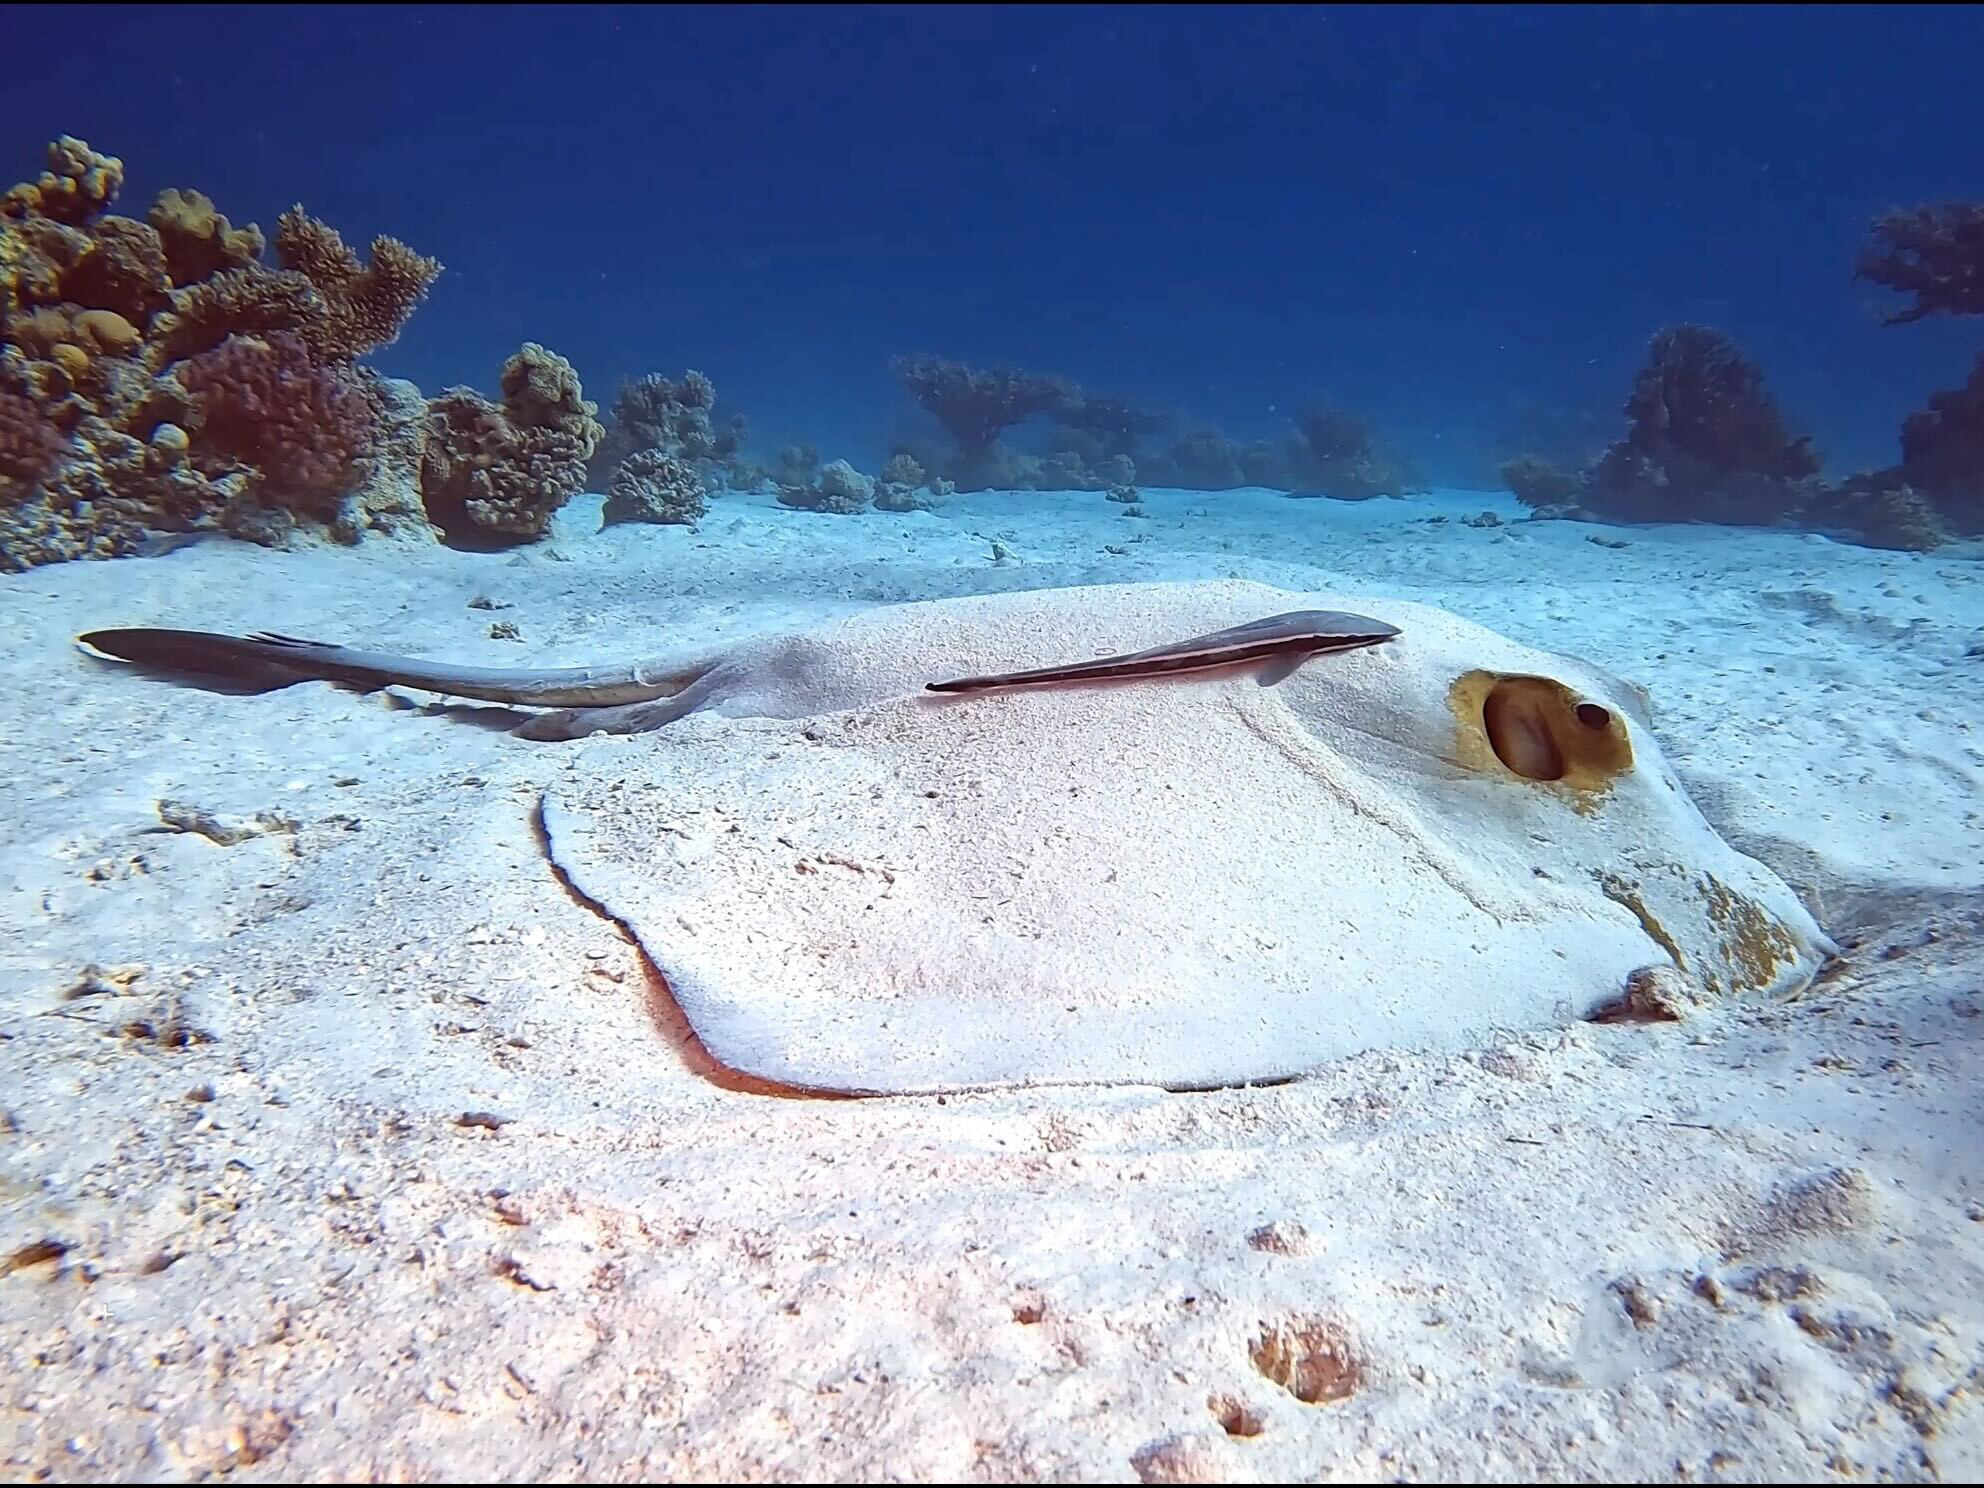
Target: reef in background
(161, 376)
(1098, 443)
(1705, 441)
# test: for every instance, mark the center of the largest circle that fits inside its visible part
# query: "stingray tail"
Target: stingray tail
(263, 658)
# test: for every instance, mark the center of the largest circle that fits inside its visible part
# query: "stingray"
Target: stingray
(853, 883)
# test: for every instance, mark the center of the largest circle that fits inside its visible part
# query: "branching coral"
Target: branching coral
(494, 474)
(264, 403)
(1935, 254)
(246, 301)
(653, 486)
(366, 306)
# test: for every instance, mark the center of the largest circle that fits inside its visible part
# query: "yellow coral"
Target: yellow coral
(108, 331)
(78, 184)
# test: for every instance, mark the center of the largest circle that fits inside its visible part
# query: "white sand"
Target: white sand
(242, 1227)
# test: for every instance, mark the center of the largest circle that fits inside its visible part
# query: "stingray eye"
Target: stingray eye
(1594, 717)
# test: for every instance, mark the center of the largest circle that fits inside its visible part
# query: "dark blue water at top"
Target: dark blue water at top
(1440, 217)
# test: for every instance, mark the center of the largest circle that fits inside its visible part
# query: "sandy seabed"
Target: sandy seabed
(339, 1139)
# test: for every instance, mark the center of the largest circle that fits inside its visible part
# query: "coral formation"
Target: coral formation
(652, 485)
(1942, 450)
(1097, 427)
(1094, 443)
(385, 491)
(493, 474)
(190, 385)
(838, 488)
(250, 300)
(197, 240)
(30, 441)
(974, 406)
(1538, 484)
(1935, 254)
(1205, 459)
(1881, 510)
(78, 184)
(1705, 441)
(1334, 455)
(264, 402)
(365, 305)
(656, 413)
(797, 465)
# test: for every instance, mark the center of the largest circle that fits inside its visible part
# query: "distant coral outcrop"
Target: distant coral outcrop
(656, 412)
(838, 487)
(1935, 255)
(1705, 441)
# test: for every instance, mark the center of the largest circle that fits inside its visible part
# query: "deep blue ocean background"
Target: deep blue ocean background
(1455, 221)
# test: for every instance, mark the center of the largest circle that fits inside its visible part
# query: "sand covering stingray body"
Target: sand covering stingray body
(853, 885)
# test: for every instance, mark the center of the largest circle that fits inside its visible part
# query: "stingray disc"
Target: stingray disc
(1182, 882)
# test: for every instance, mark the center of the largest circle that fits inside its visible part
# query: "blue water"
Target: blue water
(1442, 218)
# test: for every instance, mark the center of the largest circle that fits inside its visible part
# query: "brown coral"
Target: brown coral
(494, 474)
(123, 269)
(34, 256)
(198, 241)
(30, 442)
(263, 402)
(365, 305)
